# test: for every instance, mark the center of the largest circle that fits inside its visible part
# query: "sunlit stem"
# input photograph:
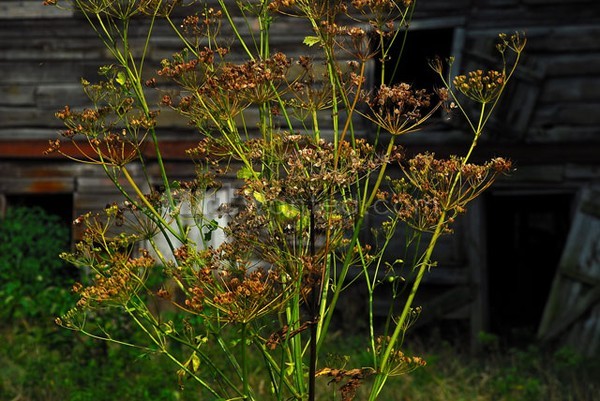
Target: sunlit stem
(233, 25)
(382, 375)
(316, 130)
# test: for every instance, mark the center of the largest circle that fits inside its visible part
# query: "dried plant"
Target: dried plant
(292, 130)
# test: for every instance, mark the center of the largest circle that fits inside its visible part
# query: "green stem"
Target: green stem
(340, 282)
(245, 378)
(279, 373)
(400, 324)
(236, 32)
(164, 350)
(209, 361)
(368, 202)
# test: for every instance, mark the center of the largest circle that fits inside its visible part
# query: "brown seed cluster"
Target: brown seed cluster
(399, 363)
(203, 24)
(302, 199)
(433, 188)
(216, 91)
(400, 109)
(225, 279)
(114, 280)
(268, 243)
(110, 133)
(379, 6)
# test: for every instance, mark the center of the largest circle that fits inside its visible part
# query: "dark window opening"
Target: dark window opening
(60, 205)
(526, 237)
(409, 59)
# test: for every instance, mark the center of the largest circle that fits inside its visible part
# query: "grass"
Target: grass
(41, 362)
(529, 373)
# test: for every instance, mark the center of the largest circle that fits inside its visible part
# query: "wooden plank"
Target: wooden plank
(35, 169)
(31, 9)
(573, 314)
(445, 303)
(46, 72)
(17, 95)
(570, 64)
(565, 134)
(58, 95)
(444, 275)
(570, 89)
(575, 293)
(42, 185)
(103, 185)
(572, 114)
(526, 18)
(582, 277)
(591, 205)
(27, 116)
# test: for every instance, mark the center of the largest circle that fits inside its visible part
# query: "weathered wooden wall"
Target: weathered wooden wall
(549, 122)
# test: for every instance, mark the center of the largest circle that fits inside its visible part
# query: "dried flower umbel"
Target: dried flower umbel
(400, 109)
(296, 150)
(479, 86)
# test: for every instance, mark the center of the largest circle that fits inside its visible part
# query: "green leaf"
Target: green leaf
(288, 211)
(245, 172)
(311, 40)
(259, 197)
(121, 78)
(289, 369)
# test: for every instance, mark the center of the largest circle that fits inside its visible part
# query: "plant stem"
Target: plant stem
(314, 308)
(400, 324)
(245, 377)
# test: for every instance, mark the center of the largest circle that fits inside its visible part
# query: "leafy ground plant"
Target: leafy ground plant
(34, 283)
(311, 147)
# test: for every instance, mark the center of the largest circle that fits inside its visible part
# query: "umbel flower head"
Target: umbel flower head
(486, 86)
(434, 188)
(225, 279)
(479, 86)
(113, 130)
(400, 109)
(119, 9)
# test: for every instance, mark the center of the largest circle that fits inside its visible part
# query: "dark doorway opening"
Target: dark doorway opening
(526, 237)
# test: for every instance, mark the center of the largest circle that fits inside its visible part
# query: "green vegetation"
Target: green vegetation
(44, 364)
(34, 280)
(41, 361)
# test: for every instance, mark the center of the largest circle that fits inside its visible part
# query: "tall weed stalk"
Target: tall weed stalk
(308, 143)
